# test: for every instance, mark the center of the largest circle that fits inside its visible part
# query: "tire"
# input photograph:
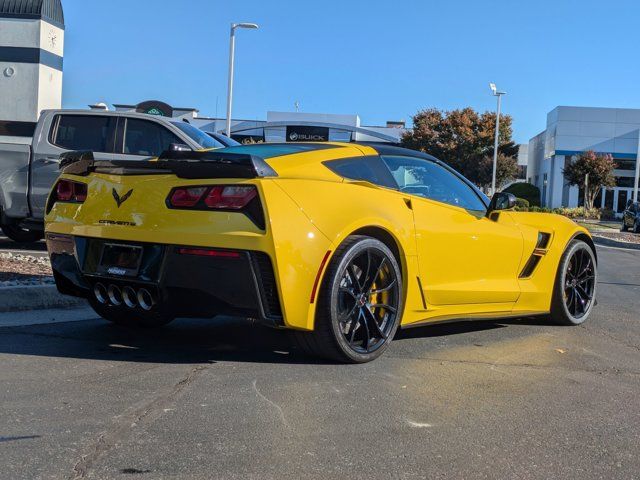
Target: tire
(130, 318)
(360, 304)
(574, 294)
(20, 235)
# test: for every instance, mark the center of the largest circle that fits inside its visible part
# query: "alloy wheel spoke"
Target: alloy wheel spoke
(348, 291)
(371, 319)
(353, 277)
(365, 324)
(384, 289)
(384, 306)
(343, 318)
(372, 278)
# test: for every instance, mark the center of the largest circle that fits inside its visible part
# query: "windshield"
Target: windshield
(198, 136)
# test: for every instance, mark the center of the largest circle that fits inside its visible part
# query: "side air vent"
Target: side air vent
(531, 265)
(268, 289)
(540, 251)
(543, 240)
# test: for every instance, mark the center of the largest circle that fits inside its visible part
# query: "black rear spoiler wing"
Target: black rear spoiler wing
(183, 164)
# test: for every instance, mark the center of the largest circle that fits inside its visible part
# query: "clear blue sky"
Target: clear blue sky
(383, 60)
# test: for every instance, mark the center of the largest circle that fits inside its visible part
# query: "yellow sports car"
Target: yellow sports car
(341, 243)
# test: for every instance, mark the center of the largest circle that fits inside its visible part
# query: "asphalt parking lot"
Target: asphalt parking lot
(225, 399)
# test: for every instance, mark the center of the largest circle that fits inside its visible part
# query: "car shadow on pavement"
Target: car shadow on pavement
(188, 341)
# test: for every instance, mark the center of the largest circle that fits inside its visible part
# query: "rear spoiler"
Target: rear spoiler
(183, 164)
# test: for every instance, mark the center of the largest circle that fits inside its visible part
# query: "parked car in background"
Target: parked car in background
(223, 139)
(631, 217)
(29, 169)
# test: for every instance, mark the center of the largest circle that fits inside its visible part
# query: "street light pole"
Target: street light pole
(232, 51)
(498, 94)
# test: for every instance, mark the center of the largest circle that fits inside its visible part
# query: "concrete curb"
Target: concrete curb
(35, 297)
(607, 242)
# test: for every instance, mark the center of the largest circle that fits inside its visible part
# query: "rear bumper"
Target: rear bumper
(237, 282)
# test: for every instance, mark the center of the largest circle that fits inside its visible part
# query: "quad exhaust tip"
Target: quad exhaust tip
(116, 296)
(145, 299)
(100, 292)
(129, 296)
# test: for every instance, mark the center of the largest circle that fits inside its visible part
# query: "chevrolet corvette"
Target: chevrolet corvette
(340, 243)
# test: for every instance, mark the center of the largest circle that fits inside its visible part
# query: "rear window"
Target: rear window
(83, 132)
(369, 169)
(198, 136)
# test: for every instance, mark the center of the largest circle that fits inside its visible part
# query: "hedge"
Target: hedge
(526, 191)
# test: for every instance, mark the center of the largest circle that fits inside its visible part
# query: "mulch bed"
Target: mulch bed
(620, 236)
(17, 269)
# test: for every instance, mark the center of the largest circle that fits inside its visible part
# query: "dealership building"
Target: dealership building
(283, 126)
(573, 130)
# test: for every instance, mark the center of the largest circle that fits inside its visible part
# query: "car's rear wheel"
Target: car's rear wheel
(359, 305)
(130, 318)
(574, 291)
(21, 235)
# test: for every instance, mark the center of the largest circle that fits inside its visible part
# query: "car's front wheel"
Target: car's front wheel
(360, 303)
(574, 291)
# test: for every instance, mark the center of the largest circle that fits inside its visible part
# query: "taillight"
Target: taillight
(186, 197)
(233, 197)
(68, 191)
(214, 197)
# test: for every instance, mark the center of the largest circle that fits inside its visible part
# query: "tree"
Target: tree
(464, 139)
(599, 167)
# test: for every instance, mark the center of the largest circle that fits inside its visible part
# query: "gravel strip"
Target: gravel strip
(17, 269)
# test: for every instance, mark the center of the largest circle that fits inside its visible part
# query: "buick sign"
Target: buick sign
(306, 133)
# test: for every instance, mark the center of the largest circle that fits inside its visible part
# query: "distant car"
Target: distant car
(631, 217)
(223, 139)
(341, 243)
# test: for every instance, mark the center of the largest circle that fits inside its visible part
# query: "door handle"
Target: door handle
(51, 159)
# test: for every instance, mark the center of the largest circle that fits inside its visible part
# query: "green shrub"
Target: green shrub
(522, 203)
(526, 191)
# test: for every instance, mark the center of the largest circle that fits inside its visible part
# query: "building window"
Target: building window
(624, 164)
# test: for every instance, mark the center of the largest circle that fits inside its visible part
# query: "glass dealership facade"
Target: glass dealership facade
(573, 130)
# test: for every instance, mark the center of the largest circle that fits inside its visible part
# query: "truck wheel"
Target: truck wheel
(20, 235)
(359, 305)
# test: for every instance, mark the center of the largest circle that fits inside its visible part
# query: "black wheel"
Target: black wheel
(574, 291)
(20, 235)
(360, 303)
(129, 318)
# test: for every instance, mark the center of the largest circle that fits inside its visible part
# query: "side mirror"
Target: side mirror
(179, 147)
(502, 201)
